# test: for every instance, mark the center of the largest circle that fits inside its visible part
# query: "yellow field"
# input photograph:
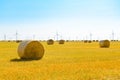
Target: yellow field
(71, 61)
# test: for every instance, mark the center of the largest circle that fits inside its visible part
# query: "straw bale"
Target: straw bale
(30, 50)
(61, 41)
(104, 43)
(50, 42)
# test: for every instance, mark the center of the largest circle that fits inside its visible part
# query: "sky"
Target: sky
(67, 19)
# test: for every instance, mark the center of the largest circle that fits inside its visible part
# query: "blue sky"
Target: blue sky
(71, 19)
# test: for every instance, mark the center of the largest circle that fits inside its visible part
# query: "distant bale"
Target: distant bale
(85, 41)
(30, 50)
(114, 40)
(104, 43)
(50, 42)
(9, 40)
(89, 41)
(67, 40)
(97, 40)
(94, 41)
(61, 41)
(18, 41)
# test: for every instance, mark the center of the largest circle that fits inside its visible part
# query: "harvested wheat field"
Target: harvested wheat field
(71, 61)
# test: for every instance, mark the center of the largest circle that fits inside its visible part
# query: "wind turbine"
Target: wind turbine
(113, 35)
(5, 37)
(91, 36)
(57, 36)
(16, 34)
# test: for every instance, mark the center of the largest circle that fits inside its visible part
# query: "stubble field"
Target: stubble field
(70, 61)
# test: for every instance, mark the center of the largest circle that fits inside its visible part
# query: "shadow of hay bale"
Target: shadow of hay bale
(22, 60)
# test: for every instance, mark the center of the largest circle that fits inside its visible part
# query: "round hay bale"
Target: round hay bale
(30, 50)
(67, 40)
(97, 40)
(85, 41)
(18, 41)
(89, 41)
(50, 42)
(94, 40)
(104, 43)
(61, 41)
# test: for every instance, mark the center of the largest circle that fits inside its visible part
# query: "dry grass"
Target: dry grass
(71, 61)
